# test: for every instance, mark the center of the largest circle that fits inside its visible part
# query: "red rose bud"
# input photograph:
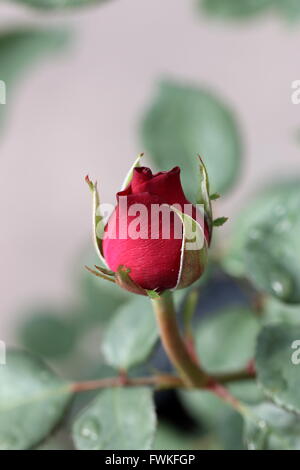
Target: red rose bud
(155, 239)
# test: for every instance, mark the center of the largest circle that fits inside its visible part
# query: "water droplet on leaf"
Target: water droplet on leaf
(90, 429)
(281, 285)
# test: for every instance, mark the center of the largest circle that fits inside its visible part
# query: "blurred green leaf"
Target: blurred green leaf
(276, 311)
(247, 391)
(59, 440)
(273, 429)
(216, 417)
(185, 121)
(278, 375)
(58, 4)
(272, 252)
(32, 401)
(19, 48)
(235, 9)
(99, 300)
(226, 341)
(131, 335)
(268, 204)
(204, 406)
(247, 9)
(47, 334)
(118, 419)
(94, 370)
(168, 437)
(290, 9)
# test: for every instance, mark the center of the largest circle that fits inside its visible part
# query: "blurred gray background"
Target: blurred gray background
(78, 113)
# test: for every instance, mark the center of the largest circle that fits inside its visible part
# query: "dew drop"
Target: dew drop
(281, 285)
(262, 424)
(90, 429)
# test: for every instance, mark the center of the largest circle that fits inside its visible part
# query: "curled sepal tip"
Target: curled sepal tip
(124, 280)
(128, 177)
(100, 274)
(204, 198)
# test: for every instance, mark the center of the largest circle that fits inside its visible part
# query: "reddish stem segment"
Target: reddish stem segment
(161, 381)
(192, 375)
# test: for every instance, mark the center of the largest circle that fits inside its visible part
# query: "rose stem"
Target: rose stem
(161, 381)
(191, 374)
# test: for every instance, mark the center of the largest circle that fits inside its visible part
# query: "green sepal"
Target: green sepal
(220, 221)
(192, 262)
(98, 222)
(124, 280)
(203, 197)
(153, 294)
(128, 177)
(105, 271)
(100, 274)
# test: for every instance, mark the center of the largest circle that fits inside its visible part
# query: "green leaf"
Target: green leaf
(214, 196)
(32, 401)
(186, 121)
(273, 429)
(58, 4)
(290, 9)
(247, 9)
(277, 364)
(272, 252)
(268, 204)
(47, 334)
(98, 299)
(19, 48)
(226, 341)
(168, 437)
(57, 441)
(118, 419)
(220, 221)
(276, 311)
(235, 9)
(247, 391)
(215, 417)
(131, 335)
